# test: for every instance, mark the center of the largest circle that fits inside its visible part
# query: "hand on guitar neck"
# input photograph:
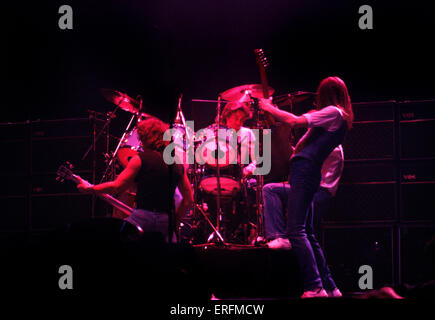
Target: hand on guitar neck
(64, 173)
(85, 186)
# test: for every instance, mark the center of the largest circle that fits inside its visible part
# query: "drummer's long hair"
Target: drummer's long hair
(332, 91)
(232, 107)
(151, 131)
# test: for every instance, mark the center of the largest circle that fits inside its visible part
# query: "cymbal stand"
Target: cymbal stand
(216, 230)
(112, 156)
(189, 142)
(259, 178)
(110, 116)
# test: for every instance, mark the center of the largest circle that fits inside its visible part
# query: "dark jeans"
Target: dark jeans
(275, 198)
(304, 201)
(149, 221)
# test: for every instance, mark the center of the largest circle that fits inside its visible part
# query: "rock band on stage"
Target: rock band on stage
(218, 196)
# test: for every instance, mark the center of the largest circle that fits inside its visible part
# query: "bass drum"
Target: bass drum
(210, 153)
(230, 180)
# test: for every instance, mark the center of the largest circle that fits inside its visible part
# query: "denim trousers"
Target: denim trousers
(150, 221)
(306, 203)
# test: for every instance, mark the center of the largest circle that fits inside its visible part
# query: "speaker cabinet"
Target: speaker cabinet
(57, 141)
(347, 249)
(14, 213)
(59, 210)
(372, 135)
(363, 202)
(417, 190)
(417, 129)
(374, 111)
(417, 254)
(366, 193)
(48, 154)
(370, 140)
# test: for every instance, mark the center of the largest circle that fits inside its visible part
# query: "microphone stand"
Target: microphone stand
(216, 230)
(259, 178)
(218, 176)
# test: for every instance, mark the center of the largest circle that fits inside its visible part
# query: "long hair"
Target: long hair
(232, 107)
(333, 91)
(151, 132)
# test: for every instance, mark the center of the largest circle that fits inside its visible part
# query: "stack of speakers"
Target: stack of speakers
(32, 199)
(382, 214)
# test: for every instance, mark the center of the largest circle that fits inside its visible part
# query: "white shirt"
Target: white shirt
(332, 169)
(328, 118)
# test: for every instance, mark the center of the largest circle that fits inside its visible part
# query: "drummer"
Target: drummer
(233, 116)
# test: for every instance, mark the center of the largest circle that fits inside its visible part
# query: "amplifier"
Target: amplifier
(417, 186)
(374, 111)
(14, 213)
(363, 202)
(417, 254)
(417, 129)
(370, 140)
(52, 211)
(347, 249)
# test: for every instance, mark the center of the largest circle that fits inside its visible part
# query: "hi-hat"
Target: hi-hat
(245, 92)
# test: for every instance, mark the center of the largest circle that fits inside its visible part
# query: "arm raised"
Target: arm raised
(283, 116)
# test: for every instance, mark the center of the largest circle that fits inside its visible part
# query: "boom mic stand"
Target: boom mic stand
(216, 230)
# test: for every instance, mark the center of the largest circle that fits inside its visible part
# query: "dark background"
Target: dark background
(160, 49)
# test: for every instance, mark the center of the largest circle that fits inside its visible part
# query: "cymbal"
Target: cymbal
(122, 100)
(243, 93)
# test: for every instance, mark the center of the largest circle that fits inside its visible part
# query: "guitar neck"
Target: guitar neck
(116, 203)
(108, 198)
(264, 83)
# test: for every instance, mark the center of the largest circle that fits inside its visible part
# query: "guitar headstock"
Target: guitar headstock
(65, 172)
(261, 58)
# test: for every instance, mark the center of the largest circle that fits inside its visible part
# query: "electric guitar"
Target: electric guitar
(64, 173)
(262, 63)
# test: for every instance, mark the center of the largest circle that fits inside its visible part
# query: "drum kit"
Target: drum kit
(226, 205)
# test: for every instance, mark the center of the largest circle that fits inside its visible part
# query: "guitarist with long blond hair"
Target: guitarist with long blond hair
(327, 126)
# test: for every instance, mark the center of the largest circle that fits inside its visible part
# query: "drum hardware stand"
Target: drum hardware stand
(95, 137)
(259, 178)
(113, 155)
(215, 230)
(219, 190)
(109, 117)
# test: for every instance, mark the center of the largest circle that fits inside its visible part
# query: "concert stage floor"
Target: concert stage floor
(242, 271)
(102, 264)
